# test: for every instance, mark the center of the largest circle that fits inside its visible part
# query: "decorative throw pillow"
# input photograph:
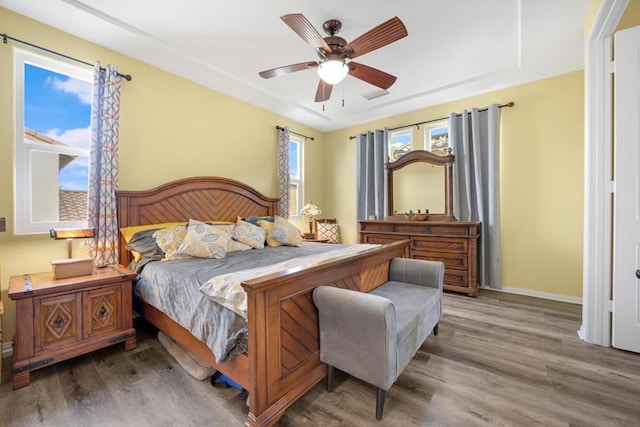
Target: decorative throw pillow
(169, 240)
(204, 241)
(143, 245)
(286, 233)
(254, 219)
(328, 231)
(268, 226)
(249, 234)
(235, 246)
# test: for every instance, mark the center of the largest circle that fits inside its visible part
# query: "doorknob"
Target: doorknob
(638, 274)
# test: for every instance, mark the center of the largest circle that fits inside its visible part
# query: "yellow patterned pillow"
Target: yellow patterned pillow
(169, 240)
(285, 232)
(268, 226)
(249, 234)
(235, 246)
(204, 241)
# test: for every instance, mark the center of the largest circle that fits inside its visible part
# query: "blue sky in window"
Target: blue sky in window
(59, 106)
(293, 158)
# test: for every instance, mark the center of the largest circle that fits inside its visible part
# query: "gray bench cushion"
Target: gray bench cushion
(417, 312)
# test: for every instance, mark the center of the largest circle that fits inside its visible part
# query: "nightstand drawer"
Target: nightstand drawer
(102, 311)
(57, 321)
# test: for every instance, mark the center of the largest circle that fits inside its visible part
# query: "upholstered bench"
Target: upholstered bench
(374, 335)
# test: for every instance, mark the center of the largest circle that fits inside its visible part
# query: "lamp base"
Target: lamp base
(72, 267)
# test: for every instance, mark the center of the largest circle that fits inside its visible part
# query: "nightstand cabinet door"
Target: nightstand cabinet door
(102, 311)
(57, 321)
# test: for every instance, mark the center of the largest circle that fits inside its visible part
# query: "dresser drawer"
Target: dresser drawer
(452, 245)
(382, 239)
(451, 261)
(456, 278)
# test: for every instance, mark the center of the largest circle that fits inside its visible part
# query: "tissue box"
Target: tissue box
(72, 267)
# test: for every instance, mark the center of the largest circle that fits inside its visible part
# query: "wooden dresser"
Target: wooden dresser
(455, 243)
(64, 318)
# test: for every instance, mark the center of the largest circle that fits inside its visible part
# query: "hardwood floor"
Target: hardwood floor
(499, 360)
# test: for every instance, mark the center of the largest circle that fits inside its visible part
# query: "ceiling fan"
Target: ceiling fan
(336, 54)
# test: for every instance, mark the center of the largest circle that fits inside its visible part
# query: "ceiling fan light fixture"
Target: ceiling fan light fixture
(333, 71)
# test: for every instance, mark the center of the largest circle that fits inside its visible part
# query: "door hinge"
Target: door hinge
(612, 187)
(610, 306)
(612, 67)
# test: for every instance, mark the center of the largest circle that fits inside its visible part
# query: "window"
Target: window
(436, 137)
(53, 119)
(400, 143)
(295, 176)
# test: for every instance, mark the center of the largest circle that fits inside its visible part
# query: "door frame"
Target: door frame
(599, 186)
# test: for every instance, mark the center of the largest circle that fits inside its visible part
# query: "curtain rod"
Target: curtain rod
(509, 104)
(296, 133)
(6, 37)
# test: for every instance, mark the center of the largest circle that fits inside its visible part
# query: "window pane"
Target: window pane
(437, 138)
(400, 143)
(293, 158)
(294, 209)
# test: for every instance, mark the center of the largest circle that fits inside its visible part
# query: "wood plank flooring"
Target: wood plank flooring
(499, 360)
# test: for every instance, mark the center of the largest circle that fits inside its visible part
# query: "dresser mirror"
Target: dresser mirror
(421, 180)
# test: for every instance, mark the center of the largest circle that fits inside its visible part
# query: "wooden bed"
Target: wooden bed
(282, 362)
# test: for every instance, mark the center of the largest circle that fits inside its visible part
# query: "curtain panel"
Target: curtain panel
(475, 138)
(371, 185)
(283, 172)
(103, 167)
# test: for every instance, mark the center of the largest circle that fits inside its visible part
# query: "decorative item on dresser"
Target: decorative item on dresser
(438, 237)
(58, 319)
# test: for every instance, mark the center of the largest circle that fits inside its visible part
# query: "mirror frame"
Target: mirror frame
(424, 157)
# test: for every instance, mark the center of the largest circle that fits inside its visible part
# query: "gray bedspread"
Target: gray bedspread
(173, 287)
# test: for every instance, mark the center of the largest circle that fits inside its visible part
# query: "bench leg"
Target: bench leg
(380, 403)
(330, 370)
(435, 329)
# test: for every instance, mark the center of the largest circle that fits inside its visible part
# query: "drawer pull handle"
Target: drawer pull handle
(103, 311)
(58, 322)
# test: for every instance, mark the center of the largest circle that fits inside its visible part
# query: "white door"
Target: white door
(626, 233)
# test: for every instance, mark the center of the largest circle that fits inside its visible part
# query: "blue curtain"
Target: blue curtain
(371, 191)
(103, 167)
(475, 139)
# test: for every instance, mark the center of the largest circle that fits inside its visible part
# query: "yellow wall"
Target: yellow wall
(169, 128)
(541, 179)
(631, 16)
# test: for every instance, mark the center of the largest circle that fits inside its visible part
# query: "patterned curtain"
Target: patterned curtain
(475, 138)
(371, 186)
(283, 172)
(103, 167)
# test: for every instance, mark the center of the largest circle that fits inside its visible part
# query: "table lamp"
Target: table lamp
(311, 211)
(71, 267)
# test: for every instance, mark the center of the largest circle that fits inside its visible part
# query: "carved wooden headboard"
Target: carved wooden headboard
(202, 198)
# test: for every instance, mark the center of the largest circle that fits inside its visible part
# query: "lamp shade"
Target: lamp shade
(333, 71)
(310, 210)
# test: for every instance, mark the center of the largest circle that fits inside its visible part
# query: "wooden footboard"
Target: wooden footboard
(284, 346)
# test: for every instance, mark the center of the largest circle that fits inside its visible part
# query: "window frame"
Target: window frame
(299, 178)
(23, 217)
(440, 124)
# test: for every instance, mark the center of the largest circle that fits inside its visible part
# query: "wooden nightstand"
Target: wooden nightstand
(61, 319)
(316, 240)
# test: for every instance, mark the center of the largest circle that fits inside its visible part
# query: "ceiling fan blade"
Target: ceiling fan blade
(281, 71)
(371, 75)
(301, 25)
(382, 35)
(324, 91)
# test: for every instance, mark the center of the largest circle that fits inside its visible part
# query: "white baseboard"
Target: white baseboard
(538, 294)
(7, 349)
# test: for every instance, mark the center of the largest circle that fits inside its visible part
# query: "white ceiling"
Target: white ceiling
(455, 48)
